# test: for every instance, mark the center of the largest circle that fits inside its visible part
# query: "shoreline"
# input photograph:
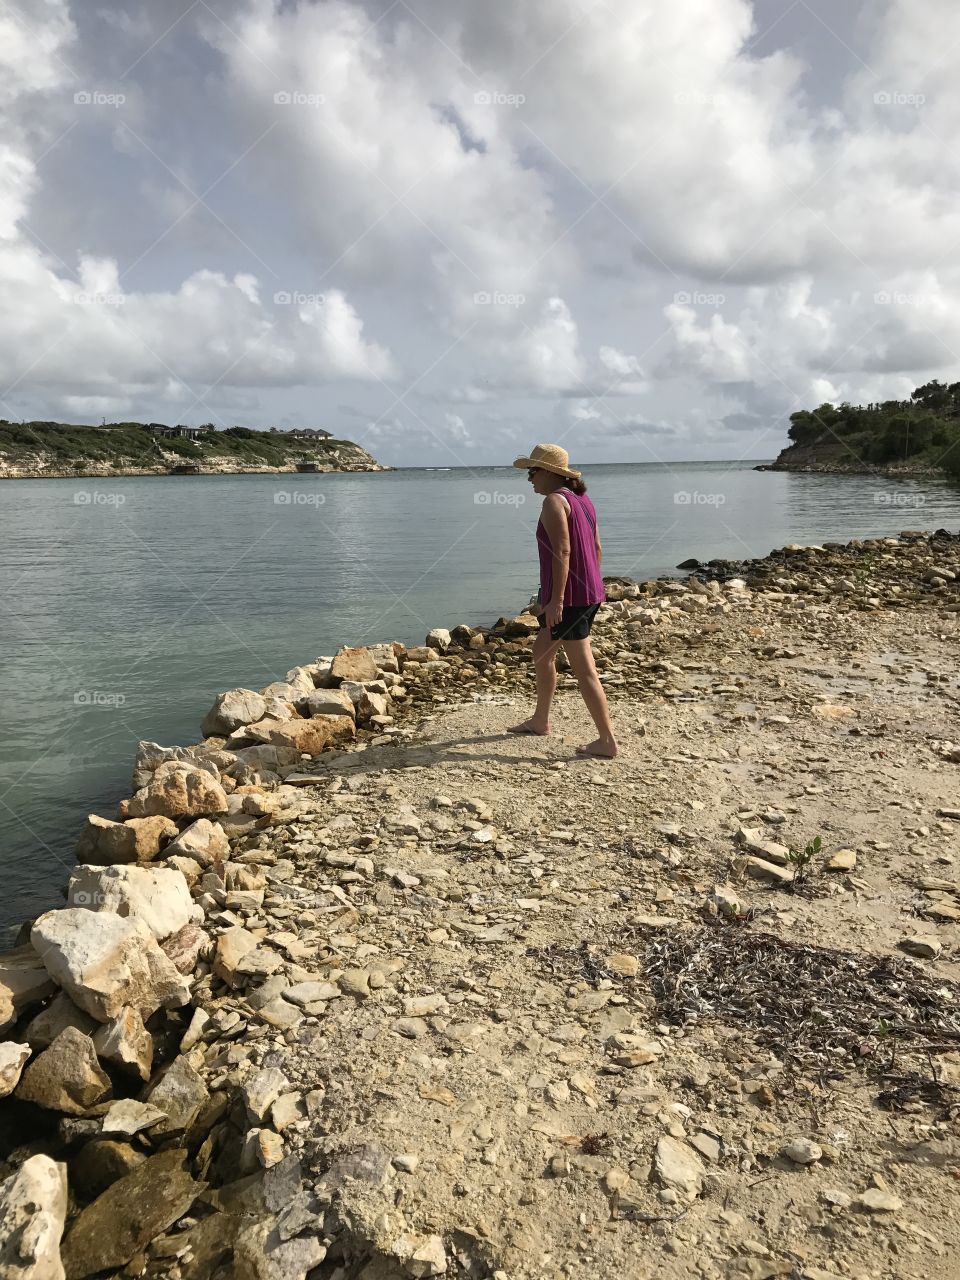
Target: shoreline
(271, 877)
(886, 473)
(165, 472)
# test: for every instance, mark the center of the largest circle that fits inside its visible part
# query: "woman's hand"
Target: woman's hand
(553, 613)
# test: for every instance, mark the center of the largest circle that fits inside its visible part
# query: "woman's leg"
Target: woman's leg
(581, 660)
(544, 665)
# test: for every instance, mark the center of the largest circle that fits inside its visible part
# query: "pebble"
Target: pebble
(874, 1200)
(926, 948)
(802, 1151)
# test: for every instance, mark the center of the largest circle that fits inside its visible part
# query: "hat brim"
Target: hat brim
(525, 463)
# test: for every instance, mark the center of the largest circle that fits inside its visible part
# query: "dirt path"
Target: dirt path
(522, 1081)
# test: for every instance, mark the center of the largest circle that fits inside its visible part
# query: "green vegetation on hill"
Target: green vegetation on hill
(134, 445)
(922, 432)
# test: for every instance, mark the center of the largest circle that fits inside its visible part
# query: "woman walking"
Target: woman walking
(571, 592)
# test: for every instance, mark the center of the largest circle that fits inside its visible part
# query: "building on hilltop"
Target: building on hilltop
(309, 433)
(185, 433)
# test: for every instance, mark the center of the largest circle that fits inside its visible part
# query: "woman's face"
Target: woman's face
(540, 479)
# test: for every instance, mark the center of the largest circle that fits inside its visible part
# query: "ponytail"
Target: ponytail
(578, 487)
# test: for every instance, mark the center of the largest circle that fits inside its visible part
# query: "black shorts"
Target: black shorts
(575, 622)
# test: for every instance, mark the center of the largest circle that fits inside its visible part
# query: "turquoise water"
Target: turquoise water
(127, 604)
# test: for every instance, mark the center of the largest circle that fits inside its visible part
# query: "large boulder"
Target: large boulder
(353, 664)
(179, 1094)
(328, 702)
(183, 948)
(159, 896)
(23, 981)
(270, 758)
(66, 1077)
(12, 1058)
(178, 789)
(387, 657)
(33, 1207)
(59, 1014)
(149, 757)
(104, 961)
(306, 737)
(129, 1214)
(101, 1163)
(302, 679)
(125, 1043)
(232, 709)
(372, 704)
(232, 945)
(203, 841)
(138, 840)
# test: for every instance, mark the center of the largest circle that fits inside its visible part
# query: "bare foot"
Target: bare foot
(531, 727)
(603, 747)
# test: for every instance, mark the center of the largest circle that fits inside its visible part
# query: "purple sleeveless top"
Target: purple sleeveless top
(584, 580)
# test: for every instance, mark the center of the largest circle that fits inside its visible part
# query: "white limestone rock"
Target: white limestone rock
(178, 789)
(33, 1208)
(203, 841)
(159, 896)
(104, 962)
(232, 709)
(23, 981)
(12, 1059)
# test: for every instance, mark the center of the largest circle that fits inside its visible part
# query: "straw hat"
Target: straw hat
(551, 458)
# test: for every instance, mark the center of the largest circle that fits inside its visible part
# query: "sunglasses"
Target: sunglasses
(532, 471)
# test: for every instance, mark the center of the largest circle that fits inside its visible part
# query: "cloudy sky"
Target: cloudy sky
(449, 229)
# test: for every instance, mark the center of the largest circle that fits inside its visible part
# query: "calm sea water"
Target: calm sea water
(127, 604)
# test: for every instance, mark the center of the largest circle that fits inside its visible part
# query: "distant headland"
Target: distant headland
(917, 437)
(33, 450)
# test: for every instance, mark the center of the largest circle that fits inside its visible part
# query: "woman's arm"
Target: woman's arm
(554, 516)
(596, 534)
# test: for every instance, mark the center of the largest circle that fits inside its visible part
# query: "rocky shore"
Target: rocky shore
(43, 469)
(834, 458)
(361, 987)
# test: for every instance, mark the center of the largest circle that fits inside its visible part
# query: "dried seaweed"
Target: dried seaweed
(570, 962)
(816, 1007)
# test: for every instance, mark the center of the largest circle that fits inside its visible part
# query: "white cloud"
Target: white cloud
(91, 345)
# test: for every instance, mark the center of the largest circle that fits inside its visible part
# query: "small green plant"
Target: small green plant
(801, 859)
